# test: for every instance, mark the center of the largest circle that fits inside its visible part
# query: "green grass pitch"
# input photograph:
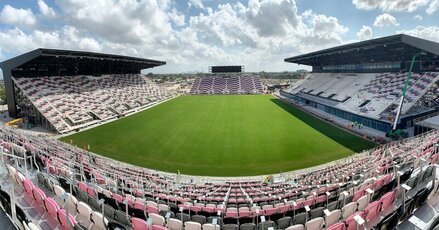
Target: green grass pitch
(221, 136)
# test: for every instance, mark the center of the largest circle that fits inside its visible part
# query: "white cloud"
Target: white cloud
(385, 20)
(365, 33)
(18, 41)
(133, 22)
(390, 5)
(320, 31)
(46, 10)
(433, 7)
(418, 17)
(196, 3)
(252, 27)
(15, 40)
(258, 35)
(429, 32)
(225, 26)
(272, 17)
(177, 17)
(17, 17)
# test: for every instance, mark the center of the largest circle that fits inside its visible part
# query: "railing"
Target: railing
(190, 179)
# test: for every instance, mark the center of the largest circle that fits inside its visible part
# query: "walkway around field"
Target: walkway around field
(372, 134)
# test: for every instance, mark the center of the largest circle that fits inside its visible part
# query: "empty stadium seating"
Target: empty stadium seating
(429, 99)
(229, 85)
(64, 187)
(73, 102)
(370, 95)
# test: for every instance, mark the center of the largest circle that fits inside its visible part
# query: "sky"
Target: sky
(195, 34)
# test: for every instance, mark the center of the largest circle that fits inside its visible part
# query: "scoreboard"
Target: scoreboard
(226, 69)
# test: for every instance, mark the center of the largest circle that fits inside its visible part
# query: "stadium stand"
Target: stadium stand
(74, 102)
(363, 81)
(371, 95)
(229, 85)
(47, 184)
(66, 90)
(429, 99)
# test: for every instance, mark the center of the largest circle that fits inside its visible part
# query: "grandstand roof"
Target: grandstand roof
(52, 62)
(394, 48)
(47, 62)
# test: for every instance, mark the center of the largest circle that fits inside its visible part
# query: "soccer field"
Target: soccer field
(221, 136)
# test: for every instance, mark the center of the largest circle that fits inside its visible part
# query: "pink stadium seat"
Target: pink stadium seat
(320, 199)
(283, 209)
(39, 195)
(139, 224)
(386, 179)
(378, 184)
(221, 209)
(51, 168)
(308, 202)
(351, 223)
(91, 192)
(117, 197)
(270, 211)
(83, 186)
(159, 227)
(184, 206)
(372, 210)
(28, 186)
(245, 213)
(152, 209)
(208, 209)
(357, 195)
(298, 205)
(63, 221)
(434, 158)
(99, 178)
(369, 186)
(139, 205)
(337, 226)
(231, 214)
(195, 209)
(387, 200)
(51, 207)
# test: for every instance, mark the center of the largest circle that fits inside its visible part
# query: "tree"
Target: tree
(2, 95)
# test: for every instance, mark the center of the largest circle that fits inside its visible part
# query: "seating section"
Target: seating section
(335, 86)
(55, 185)
(371, 95)
(73, 102)
(229, 85)
(430, 98)
(386, 90)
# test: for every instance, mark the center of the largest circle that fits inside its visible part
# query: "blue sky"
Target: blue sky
(192, 35)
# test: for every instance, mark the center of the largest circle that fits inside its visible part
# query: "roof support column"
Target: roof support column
(10, 93)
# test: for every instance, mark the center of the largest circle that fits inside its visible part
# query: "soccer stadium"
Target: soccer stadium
(93, 142)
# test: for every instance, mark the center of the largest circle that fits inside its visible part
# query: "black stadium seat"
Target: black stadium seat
(389, 222)
(421, 197)
(284, 222)
(199, 219)
(247, 226)
(266, 225)
(230, 227)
